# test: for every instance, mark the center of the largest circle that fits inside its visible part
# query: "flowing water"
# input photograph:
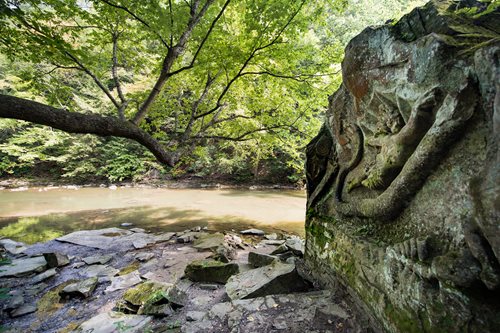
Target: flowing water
(41, 214)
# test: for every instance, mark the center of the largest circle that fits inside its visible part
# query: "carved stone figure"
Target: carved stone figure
(403, 181)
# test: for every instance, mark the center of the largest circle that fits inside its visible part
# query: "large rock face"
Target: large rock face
(403, 181)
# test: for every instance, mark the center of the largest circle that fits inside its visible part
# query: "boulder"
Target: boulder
(55, 259)
(207, 270)
(403, 176)
(260, 259)
(151, 298)
(25, 266)
(100, 239)
(277, 278)
(82, 289)
(296, 245)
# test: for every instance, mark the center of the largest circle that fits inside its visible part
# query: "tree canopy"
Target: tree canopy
(182, 78)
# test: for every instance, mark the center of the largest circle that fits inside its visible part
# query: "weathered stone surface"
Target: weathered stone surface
(151, 298)
(402, 179)
(115, 322)
(56, 259)
(99, 270)
(188, 237)
(12, 247)
(296, 245)
(195, 315)
(97, 259)
(83, 288)
(124, 281)
(15, 301)
(277, 278)
(99, 239)
(164, 237)
(260, 259)
(20, 267)
(209, 241)
(23, 310)
(207, 270)
(256, 232)
(144, 256)
(44, 276)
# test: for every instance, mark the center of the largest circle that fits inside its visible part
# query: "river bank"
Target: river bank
(117, 280)
(14, 183)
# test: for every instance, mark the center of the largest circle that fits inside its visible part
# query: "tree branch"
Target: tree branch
(142, 21)
(74, 122)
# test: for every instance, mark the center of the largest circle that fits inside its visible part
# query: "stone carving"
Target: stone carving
(403, 185)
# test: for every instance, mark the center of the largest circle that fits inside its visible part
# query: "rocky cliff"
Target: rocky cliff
(403, 182)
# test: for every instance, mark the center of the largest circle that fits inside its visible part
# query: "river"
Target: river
(41, 214)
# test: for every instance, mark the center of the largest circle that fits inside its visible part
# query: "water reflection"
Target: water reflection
(162, 210)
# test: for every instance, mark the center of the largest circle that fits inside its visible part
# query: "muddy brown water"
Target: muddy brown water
(41, 214)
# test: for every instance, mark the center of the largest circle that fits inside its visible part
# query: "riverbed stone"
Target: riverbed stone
(14, 302)
(296, 245)
(103, 239)
(164, 237)
(137, 230)
(195, 315)
(151, 298)
(256, 232)
(124, 282)
(44, 276)
(144, 256)
(99, 270)
(23, 310)
(55, 259)
(208, 270)
(209, 241)
(277, 278)
(24, 266)
(260, 259)
(12, 246)
(82, 289)
(100, 259)
(110, 322)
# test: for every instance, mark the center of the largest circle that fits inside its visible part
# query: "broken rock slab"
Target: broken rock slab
(165, 237)
(25, 266)
(55, 259)
(209, 241)
(277, 278)
(82, 289)
(260, 259)
(97, 259)
(124, 281)
(99, 270)
(44, 276)
(13, 247)
(100, 239)
(113, 322)
(207, 270)
(23, 310)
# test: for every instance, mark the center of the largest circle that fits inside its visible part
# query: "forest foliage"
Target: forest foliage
(245, 94)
